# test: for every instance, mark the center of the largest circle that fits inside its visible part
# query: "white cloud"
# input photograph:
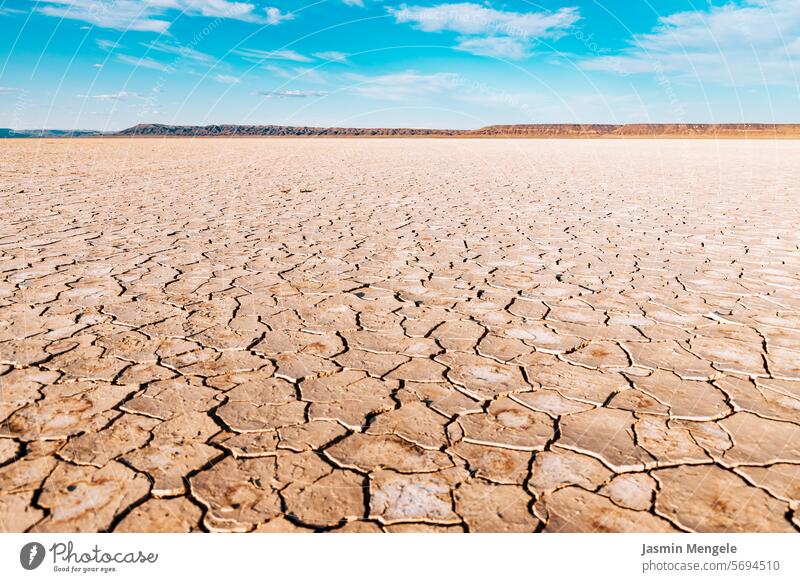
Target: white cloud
(295, 93)
(184, 52)
(107, 45)
(486, 31)
(623, 65)
(405, 85)
(738, 43)
(793, 48)
(122, 15)
(118, 96)
(279, 55)
(213, 8)
(475, 19)
(8, 90)
(10, 11)
(144, 62)
(226, 79)
(153, 15)
(331, 56)
(503, 47)
(499, 99)
(296, 73)
(275, 16)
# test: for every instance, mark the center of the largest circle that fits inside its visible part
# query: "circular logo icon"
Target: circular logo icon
(31, 555)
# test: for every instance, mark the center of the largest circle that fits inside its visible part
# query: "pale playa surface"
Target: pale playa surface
(399, 335)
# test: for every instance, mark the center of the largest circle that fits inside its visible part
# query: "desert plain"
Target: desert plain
(355, 335)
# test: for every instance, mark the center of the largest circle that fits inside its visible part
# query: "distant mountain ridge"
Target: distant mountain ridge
(277, 130)
(746, 130)
(8, 132)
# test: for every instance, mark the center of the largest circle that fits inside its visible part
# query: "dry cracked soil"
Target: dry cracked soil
(279, 335)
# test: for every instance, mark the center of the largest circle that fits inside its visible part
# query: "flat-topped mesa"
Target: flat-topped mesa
(711, 130)
(643, 130)
(547, 130)
(544, 130)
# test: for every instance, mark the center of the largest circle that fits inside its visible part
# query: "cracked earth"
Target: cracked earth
(399, 335)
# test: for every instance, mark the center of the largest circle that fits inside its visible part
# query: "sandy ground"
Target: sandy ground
(399, 335)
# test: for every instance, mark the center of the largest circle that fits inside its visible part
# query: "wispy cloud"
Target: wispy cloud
(751, 42)
(226, 79)
(296, 73)
(622, 64)
(118, 96)
(4, 11)
(335, 56)
(503, 47)
(486, 31)
(8, 90)
(122, 15)
(184, 52)
(154, 15)
(143, 62)
(295, 94)
(107, 45)
(258, 55)
(404, 86)
(468, 18)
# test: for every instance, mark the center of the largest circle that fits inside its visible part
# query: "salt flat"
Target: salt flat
(399, 335)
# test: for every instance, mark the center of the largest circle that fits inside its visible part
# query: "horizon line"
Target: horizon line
(560, 124)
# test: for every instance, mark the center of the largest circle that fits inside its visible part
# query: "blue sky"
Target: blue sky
(109, 64)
